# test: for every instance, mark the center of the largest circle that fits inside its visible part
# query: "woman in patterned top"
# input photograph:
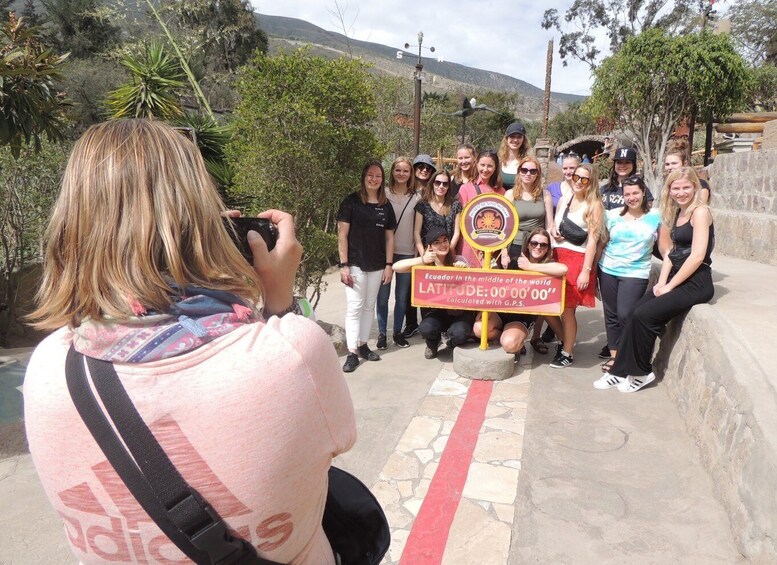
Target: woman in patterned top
(437, 208)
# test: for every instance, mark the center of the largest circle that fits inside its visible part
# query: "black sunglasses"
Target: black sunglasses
(539, 244)
(633, 180)
(424, 166)
(525, 171)
(441, 183)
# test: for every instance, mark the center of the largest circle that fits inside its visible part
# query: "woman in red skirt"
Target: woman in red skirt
(578, 227)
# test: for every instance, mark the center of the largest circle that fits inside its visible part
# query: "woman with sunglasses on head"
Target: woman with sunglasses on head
(685, 280)
(465, 170)
(578, 226)
(624, 267)
(403, 198)
(365, 243)
(536, 255)
(438, 252)
(488, 181)
(514, 147)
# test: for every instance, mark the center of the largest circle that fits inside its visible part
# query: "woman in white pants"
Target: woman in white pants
(365, 242)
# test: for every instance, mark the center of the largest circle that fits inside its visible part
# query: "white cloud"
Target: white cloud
(495, 35)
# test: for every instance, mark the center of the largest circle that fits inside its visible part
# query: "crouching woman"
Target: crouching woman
(456, 323)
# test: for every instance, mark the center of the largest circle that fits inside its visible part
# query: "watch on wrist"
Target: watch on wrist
(389, 264)
(342, 264)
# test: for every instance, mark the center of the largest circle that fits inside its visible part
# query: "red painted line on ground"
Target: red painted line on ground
(429, 534)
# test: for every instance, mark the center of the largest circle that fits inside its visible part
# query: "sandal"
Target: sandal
(538, 346)
(607, 365)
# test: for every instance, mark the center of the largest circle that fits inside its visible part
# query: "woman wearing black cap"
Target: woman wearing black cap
(434, 321)
(514, 147)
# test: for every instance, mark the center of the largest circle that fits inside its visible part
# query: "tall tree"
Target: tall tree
(754, 28)
(30, 104)
(301, 138)
(226, 32)
(584, 20)
(81, 27)
(655, 80)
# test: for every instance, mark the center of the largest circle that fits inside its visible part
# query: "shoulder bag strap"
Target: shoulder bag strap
(177, 508)
(410, 197)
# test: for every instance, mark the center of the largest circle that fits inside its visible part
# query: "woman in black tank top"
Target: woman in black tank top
(685, 280)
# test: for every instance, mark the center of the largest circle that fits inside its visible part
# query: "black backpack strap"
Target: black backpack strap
(177, 508)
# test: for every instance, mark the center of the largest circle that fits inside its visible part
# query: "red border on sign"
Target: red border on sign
(517, 292)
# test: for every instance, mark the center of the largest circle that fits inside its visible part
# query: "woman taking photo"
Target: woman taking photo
(465, 170)
(624, 267)
(577, 228)
(365, 242)
(434, 321)
(140, 271)
(403, 199)
(489, 181)
(437, 209)
(514, 147)
(685, 279)
(536, 255)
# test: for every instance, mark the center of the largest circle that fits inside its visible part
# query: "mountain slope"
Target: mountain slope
(445, 76)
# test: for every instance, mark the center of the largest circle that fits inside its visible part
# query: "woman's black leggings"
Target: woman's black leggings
(651, 315)
(619, 297)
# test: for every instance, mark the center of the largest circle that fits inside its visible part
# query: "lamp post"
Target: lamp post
(419, 66)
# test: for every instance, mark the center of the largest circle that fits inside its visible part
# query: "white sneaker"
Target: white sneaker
(608, 381)
(633, 384)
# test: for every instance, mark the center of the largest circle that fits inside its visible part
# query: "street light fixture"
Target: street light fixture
(419, 67)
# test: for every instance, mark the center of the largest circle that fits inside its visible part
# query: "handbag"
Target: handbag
(570, 231)
(353, 519)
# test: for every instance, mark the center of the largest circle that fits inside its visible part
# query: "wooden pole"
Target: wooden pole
(546, 101)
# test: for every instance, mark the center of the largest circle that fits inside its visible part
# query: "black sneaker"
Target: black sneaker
(351, 362)
(367, 353)
(399, 340)
(562, 360)
(431, 350)
(382, 341)
(605, 352)
(410, 331)
(548, 336)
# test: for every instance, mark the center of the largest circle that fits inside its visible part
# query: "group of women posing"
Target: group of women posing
(575, 228)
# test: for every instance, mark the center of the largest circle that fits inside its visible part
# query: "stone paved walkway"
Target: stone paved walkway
(482, 516)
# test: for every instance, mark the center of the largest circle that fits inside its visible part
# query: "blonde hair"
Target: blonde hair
(137, 211)
(392, 181)
(458, 174)
(668, 206)
(536, 186)
(594, 210)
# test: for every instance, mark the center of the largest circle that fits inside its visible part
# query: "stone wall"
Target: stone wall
(744, 205)
(729, 408)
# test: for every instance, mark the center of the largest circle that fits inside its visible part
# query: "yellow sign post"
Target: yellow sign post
(488, 223)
